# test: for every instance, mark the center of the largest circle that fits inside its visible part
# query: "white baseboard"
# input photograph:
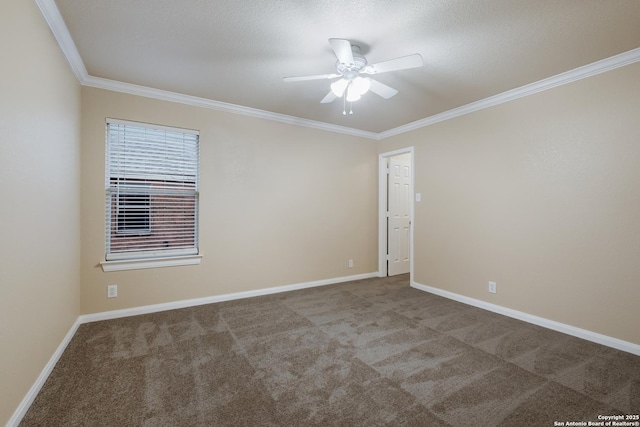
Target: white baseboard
(540, 321)
(114, 314)
(22, 409)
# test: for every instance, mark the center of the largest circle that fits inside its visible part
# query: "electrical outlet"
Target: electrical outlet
(112, 291)
(493, 287)
(350, 263)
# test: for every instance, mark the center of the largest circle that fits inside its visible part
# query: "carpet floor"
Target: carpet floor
(372, 352)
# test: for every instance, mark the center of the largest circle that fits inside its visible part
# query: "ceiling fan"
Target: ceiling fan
(352, 68)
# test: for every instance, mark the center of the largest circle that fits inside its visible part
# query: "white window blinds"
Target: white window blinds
(151, 191)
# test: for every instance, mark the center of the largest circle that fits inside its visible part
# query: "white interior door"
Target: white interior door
(399, 224)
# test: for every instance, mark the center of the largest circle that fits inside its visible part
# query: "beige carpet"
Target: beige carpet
(368, 353)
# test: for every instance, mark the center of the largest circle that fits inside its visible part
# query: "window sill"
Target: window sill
(138, 264)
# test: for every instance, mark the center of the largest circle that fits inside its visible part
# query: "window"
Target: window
(151, 191)
(133, 213)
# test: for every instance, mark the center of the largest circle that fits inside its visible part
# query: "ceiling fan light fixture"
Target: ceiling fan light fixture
(350, 66)
(352, 93)
(338, 87)
(361, 84)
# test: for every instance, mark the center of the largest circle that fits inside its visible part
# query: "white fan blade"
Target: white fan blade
(305, 78)
(329, 98)
(403, 63)
(342, 49)
(382, 89)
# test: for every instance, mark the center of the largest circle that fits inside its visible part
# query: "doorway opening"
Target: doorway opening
(395, 213)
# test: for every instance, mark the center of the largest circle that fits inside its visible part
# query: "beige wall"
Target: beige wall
(541, 195)
(40, 199)
(279, 204)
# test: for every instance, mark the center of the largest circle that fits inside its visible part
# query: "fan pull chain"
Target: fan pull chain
(344, 106)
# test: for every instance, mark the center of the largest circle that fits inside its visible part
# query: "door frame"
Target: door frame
(382, 210)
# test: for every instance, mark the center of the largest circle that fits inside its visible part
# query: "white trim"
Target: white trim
(59, 29)
(598, 67)
(146, 309)
(383, 170)
(139, 264)
(608, 341)
(22, 409)
(52, 15)
(163, 95)
(382, 215)
(567, 77)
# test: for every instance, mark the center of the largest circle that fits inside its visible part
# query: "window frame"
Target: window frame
(118, 187)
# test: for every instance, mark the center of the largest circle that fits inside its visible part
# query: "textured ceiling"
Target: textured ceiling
(238, 51)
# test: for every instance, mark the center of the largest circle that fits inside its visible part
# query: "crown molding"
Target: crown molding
(567, 77)
(53, 18)
(148, 92)
(59, 29)
(61, 33)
